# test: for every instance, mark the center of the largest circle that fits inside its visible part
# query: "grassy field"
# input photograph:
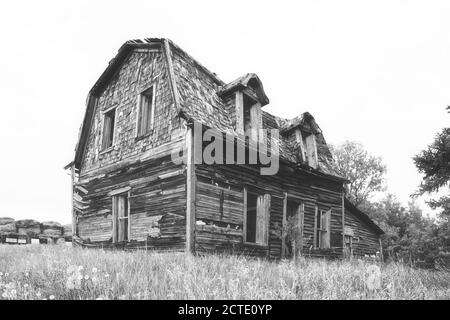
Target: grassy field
(63, 272)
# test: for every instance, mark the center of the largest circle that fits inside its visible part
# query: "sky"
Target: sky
(375, 72)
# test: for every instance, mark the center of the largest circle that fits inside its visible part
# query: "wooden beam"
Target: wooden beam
(301, 223)
(190, 192)
(381, 249)
(283, 229)
(244, 228)
(72, 193)
(256, 121)
(316, 211)
(239, 112)
(343, 224)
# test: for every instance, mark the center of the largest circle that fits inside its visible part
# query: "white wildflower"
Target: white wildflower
(52, 297)
(94, 270)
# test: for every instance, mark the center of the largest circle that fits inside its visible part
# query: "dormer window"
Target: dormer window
(311, 149)
(249, 97)
(306, 142)
(248, 115)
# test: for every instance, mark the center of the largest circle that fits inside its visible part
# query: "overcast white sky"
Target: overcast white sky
(377, 72)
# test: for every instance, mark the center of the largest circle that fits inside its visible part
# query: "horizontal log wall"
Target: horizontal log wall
(157, 199)
(365, 240)
(219, 205)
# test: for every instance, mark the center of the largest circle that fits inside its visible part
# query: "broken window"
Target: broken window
(256, 217)
(121, 218)
(322, 229)
(145, 111)
(108, 128)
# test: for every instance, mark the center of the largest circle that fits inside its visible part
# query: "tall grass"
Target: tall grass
(61, 272)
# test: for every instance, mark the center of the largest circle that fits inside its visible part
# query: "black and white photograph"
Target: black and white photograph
(244, 152)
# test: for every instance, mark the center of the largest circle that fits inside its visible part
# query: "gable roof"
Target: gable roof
(251, 81)
(363, 217)
(198, 95)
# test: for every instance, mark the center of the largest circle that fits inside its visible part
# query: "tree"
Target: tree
(364, 171)
(434, 164)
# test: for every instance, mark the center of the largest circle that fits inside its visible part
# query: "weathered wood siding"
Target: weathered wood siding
(365, 240)
(141, 69)
(157, 200)
(219, 204)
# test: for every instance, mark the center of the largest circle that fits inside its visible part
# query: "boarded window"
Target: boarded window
(121, 218)
(311, 150)
(252, 118)
(322, 229)
(256, 217)
(108, 128)
(301, 143)
(348, 246)
(146, 111)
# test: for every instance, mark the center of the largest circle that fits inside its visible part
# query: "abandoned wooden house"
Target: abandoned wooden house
(129, 193)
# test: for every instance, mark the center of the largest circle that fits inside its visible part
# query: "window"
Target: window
(348, 246)
(145, 111)
(322, 229)
(108, 128)
(256, 218)
(311, 150)
(248, 115)
(295, 217)
(121, 217)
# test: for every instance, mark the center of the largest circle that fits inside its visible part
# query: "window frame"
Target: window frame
(142, 93)
(265, 197)
(300, 213)
(113, 140)
(319, 213)
(123, 192)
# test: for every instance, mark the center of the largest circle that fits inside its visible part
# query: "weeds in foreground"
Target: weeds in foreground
(61, 272)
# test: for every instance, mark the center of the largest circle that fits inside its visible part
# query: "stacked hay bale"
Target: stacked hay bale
(7, 226)
(51, 228)
(51, 231)
(67, 232)
(29, 227)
